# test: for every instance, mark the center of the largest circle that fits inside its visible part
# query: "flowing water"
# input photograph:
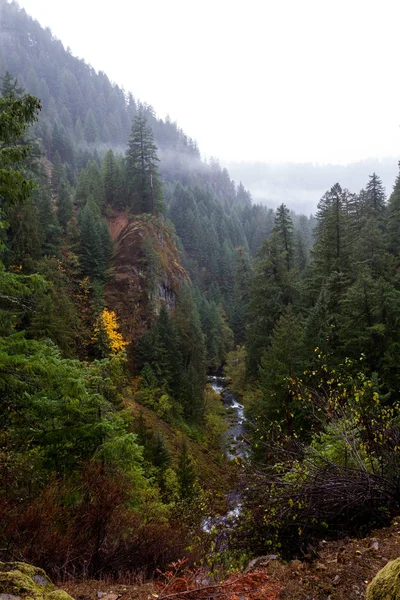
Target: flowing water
(236, 447)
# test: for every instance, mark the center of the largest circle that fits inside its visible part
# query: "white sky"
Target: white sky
(267, 80)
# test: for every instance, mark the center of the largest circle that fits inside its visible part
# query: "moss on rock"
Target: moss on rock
(386, 584)
(28, 583)
(58, 595)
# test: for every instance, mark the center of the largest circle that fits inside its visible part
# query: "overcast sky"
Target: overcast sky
(267, 80)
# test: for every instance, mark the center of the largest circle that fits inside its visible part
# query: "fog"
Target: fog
(267, 81)
(301, 185)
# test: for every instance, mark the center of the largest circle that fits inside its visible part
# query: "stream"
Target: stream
(236, 447)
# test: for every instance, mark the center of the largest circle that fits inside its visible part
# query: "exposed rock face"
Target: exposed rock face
(386, 584)
(19, 581)
(146, 272)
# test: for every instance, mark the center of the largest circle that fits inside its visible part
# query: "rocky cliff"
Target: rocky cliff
(146, 272)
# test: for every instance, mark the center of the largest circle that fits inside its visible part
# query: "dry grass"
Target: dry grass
(340, 572)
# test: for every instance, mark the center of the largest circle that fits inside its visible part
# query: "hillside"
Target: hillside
(146, 273)
(149, 310)
(342, 570)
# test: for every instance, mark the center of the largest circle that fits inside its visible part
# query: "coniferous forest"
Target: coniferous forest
(130, 272)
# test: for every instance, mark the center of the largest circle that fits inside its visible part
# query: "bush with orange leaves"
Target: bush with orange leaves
(179, 582)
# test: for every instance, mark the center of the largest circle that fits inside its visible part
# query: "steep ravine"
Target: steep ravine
(236, 447)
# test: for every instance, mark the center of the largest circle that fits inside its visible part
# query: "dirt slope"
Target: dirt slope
(341, 572)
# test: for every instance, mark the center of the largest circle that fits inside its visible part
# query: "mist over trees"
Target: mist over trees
(300, 185)
(130, 269)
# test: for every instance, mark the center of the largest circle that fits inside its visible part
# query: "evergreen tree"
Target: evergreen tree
(64, 204)
(95, 242)
(375, 197)
(90, 184)
(16, 114)
(239, 317)
(393, 219)
(9, 86)
(141, 168)
(169, 358)
(110, 178)
(185, 472)
(331, 248)
(284, 230)
(272, 288)
(91, 130)
(192, 348)
(282, 361)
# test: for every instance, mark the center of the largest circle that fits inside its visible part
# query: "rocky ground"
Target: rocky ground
(341, 571)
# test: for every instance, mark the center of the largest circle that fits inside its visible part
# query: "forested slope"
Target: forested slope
(129, 270)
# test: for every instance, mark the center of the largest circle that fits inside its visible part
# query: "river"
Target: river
(236, 447)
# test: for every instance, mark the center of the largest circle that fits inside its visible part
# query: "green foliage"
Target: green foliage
(312, 417)
(284, 230)
(280, 363)
(64, 204)
(60, 406)
(141, 168)
(272, 288)
(192, 349)
(341, 478)
(16, 115)
(95, 242)
(185, 473)
(235, 370)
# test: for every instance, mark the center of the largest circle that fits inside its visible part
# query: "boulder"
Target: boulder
(20, 581)
(261, 562)
(386, 584)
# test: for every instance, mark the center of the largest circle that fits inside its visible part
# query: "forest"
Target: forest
(130, 272)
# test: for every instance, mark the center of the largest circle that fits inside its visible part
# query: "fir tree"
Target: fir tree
(375, 197)
(95, 242)
(282, 361)
(284, 230)
(110, 178)
(393, 219)
(331, 248)
(91, 130)
(141, 168)
(64, 204)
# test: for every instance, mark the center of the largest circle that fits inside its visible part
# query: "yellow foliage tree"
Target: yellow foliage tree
(106, 335)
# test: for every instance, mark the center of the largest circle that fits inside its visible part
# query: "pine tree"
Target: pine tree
(192, 348)
(243, 196)
(331, 248)
(90, 184)
(272, 288)
(110, 178)
(284, 230)
(95, 242)
(168, 355)
(239, 315)
(9, 86)
(375, 197)
(141, 168)
(393, 219)
(64, 204)
(282, 361)
(91, 130)
(16, 115)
